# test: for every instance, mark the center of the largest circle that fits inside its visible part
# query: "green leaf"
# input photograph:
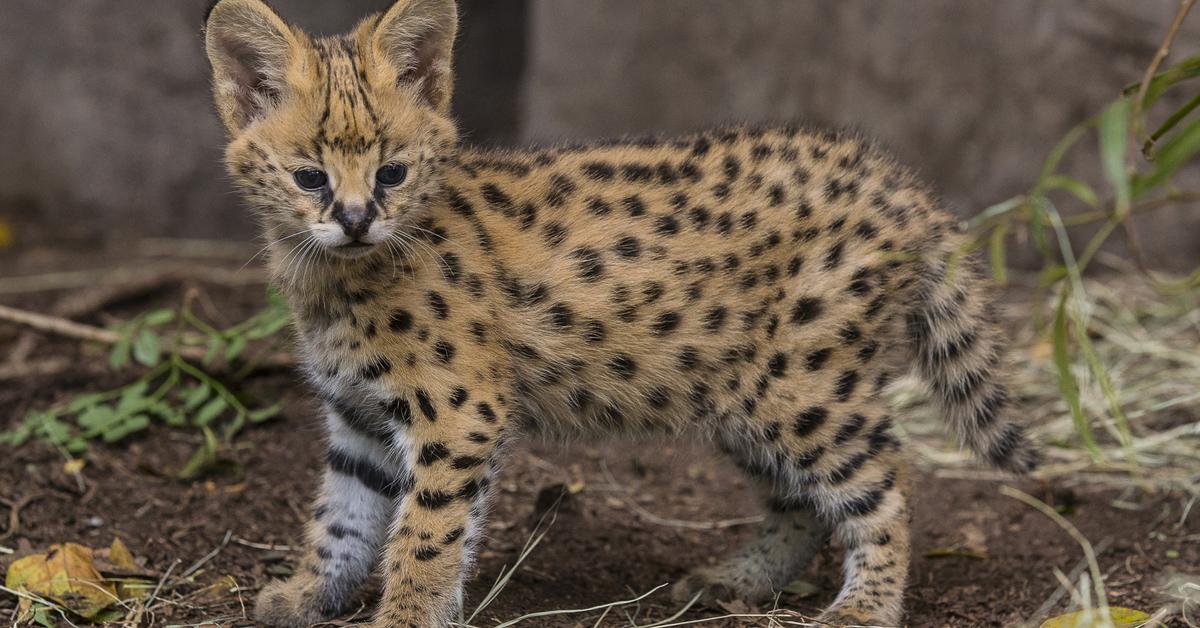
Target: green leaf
(1114, 135)
(258, 416)
(1074, 187)
(1173, 154)
(125, 428)
(1066, 377)
(159, 317)
(210, 411)
(196, 396)
(996, 245)
(235, 348)
(214, 349)
(118, 358)
(133, 398)
(82, 402)
(147, 349)
(1186, 69)
(97, 418)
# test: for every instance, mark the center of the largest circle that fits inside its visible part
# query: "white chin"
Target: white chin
(352, 251)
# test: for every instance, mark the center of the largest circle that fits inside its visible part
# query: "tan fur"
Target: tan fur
(756, 286)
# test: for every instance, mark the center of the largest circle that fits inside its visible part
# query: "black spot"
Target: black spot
(561, 188)
(628, 247)
(817, 359)
(637, 173)
(666, 225)
(594, 331)
(400, 410)
(599, 171)
(777, 365)
(701, 147)
(561, 316)
(437, 303)
(665, 323)
(444, 351)
(400, 321)
(433, 452)
(427, 553)
(499, 201)
(849, 429)
(433, 500)
(453, 535)
(846, 383)
(776, 195)
(794, 266)
(732, 167)
(591, 267)
(850, 333)
(833, 257)
(426, 405)
(809, 420)
(725, 223)
(463, 463)
(715, 318)
(376, 368)
(806, 310)
(652, 291)
(689, 357)
(554, 233)
(635, 206)
(598, 206)
(658, 398)
(486, 412)
(623, 366)
(458, 396)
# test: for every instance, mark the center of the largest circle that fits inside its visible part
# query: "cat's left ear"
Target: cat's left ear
(415, 39)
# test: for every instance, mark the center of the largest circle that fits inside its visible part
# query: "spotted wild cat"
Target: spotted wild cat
(755, 286)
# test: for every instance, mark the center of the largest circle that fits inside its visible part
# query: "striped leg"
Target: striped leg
(363, 483)
(440, 522)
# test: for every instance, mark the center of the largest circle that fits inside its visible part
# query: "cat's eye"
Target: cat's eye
(391, 175)
(311, 178)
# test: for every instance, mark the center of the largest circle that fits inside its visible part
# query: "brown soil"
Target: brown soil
(617, 536)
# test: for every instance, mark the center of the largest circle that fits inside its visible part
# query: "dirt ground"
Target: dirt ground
(636, 516)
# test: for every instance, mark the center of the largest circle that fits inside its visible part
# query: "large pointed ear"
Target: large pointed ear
(250, 48)
(415, 38)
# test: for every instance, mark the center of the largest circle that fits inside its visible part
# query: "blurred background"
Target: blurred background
(107, 131)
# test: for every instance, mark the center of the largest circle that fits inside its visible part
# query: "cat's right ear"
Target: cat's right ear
(251, 50)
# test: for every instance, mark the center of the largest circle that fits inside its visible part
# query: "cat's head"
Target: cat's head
(337, 143)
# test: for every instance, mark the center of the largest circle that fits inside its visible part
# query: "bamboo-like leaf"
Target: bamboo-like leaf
(209, 411)
(1066, 377)
(159, 317)
(1174, 153)
(996, 245)
(1075, 187)
(1114, 135)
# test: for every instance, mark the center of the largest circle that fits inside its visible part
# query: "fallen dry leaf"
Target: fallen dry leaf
(1121, 618)
(66, 575)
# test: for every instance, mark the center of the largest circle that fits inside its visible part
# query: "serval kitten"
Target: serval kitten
(755, 286)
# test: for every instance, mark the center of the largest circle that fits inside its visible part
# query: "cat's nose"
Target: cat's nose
(355, 218)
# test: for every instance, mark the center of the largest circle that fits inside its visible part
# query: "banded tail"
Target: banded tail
(959, 348)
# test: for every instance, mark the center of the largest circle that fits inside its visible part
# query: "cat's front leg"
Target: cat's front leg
(439, 522)
(362, 485)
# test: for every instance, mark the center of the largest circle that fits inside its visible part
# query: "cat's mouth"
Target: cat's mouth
(352, 249)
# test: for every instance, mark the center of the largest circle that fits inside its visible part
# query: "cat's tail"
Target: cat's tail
(958, 348)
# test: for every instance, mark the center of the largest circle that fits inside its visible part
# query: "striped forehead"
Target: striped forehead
(348, 123)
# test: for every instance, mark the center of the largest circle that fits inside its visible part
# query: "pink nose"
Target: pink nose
(355, 218)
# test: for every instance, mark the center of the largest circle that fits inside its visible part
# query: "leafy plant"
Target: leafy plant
(1132, 186)
(177, 349)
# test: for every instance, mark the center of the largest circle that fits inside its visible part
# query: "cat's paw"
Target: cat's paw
(292, 603)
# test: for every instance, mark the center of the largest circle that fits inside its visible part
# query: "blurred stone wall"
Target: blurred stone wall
(106, 125)
(106, 121)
